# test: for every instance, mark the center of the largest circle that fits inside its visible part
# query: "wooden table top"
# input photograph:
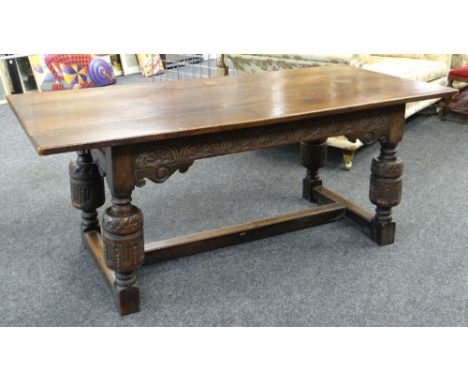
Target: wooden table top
(90, 118)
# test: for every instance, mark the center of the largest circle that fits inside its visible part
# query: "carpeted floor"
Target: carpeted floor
(330, 275)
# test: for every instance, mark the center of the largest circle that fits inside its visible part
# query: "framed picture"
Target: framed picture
(129, 64)
(12, 76)
(26, 75)
(150, 64)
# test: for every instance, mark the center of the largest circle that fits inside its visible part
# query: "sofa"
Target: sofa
(459, 60)
(432, 68)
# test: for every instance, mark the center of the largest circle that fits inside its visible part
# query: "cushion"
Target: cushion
(326, 58)
(71, 71)
(419, 70)
(460, 72)
(431, 57)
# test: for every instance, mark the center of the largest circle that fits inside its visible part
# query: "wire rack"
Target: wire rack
(191, 66)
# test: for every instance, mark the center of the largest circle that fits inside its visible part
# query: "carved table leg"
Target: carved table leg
(87, 190)
(385, 192)
(313, 157)
(122, 235)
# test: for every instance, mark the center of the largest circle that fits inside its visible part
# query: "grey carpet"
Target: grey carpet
(330, 275)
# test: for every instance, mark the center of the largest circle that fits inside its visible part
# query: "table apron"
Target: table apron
(158, 160)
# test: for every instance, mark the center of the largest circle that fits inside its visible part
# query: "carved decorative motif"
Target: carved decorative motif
(387, 169)
(87, 185)
(386, 182)
(159, 170)
(385, 192)
(87, 190)
(122, 235)
(120, 225)
(158, 161)
(86, 195)
(124, 254)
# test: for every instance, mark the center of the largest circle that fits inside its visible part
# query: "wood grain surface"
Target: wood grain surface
(117, 115)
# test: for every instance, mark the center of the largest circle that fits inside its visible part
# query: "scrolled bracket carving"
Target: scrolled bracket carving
(371, 130)
(159, 173)
(158, 162)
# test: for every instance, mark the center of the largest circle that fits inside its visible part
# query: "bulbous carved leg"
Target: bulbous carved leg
(385, 192)
(122, 234)
(87, 190)
(313, 157)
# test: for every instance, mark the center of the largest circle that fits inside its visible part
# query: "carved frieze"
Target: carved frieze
(157, 161)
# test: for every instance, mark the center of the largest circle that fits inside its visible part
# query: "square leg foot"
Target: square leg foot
(127, 299)
(384, 233)
(308, 189)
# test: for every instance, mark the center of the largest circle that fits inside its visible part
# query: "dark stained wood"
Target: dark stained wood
(126, 297)
(313, 158)
(387, 181)
(241, 233)
(118, 115)
(385, 192)
(158, 160)
(132, 133)
(356, 213)
(87, 190)
(122, 230)
(95, 247)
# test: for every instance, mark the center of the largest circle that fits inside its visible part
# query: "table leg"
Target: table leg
(385, 191)
(122, 234)
(313, 157)
(87, 190)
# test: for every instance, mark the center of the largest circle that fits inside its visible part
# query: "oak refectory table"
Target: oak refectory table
(128, 134)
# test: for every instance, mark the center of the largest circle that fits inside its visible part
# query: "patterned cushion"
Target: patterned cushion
(331, 58)
(413, 69)
(71, 71)
(460, 72)
(251, 63)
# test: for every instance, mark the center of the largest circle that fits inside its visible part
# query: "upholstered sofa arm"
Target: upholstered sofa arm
(459, 60)
(446, 59)
(250, 63)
